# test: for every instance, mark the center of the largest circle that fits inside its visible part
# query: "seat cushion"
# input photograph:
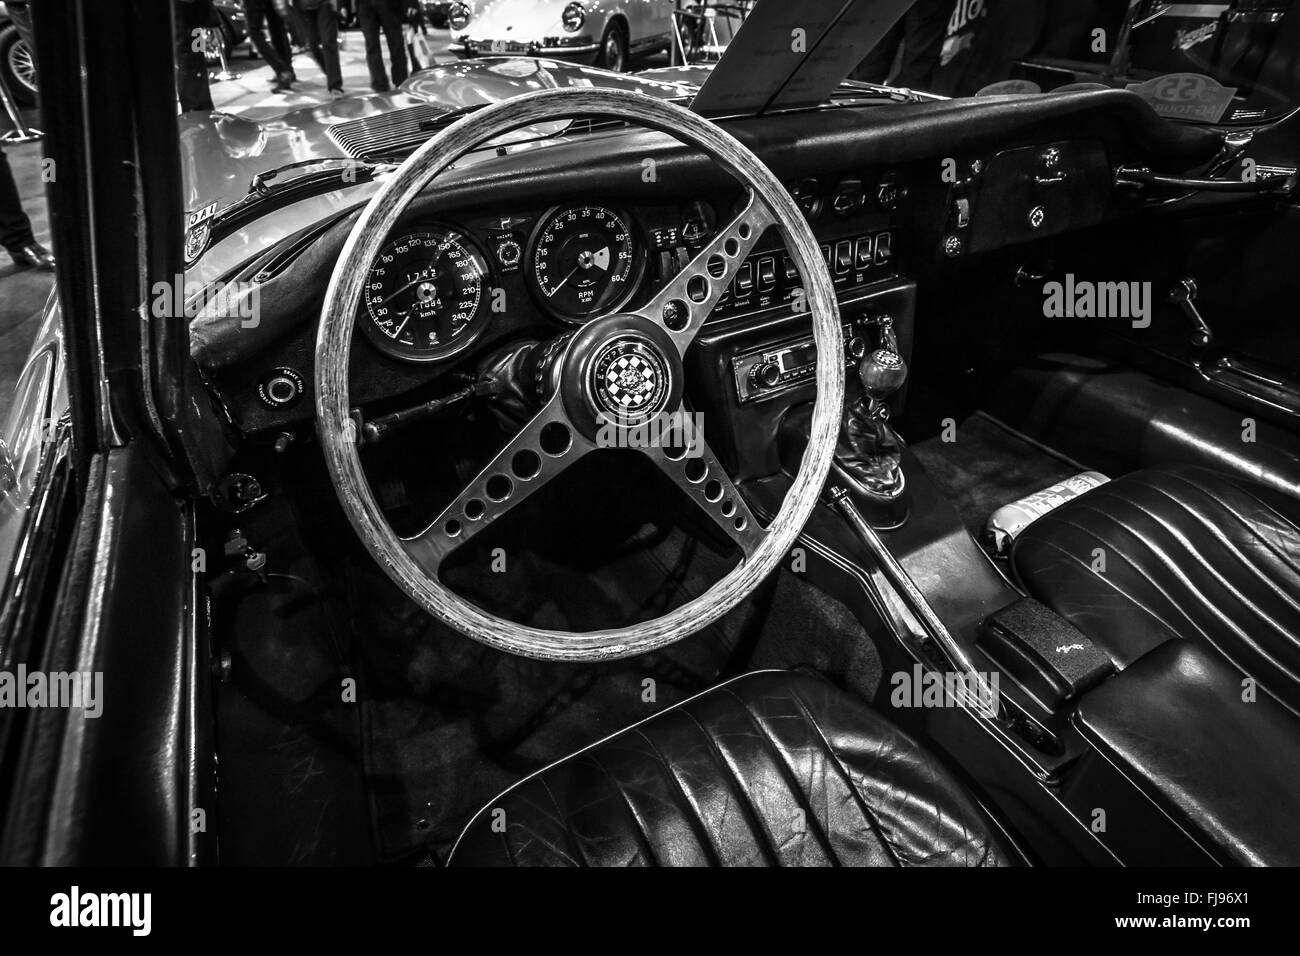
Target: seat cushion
(1176, 552)
(769, 769)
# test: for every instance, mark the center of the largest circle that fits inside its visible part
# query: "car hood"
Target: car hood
(516, 19)
(221, 152)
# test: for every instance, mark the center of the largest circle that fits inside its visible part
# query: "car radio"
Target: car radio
(777, 368)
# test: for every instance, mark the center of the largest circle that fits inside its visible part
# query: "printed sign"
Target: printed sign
(1186, 96)
(1011, 88)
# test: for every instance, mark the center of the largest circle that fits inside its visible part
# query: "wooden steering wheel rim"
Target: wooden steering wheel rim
(337, 431)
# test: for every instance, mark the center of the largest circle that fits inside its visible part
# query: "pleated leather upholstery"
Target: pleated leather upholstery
(1189, 553)
(769, 769)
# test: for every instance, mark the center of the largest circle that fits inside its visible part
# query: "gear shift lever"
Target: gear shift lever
(869, 454)
(882, 373)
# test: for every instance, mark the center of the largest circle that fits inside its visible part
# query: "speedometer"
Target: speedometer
(584, 261)
(424, 295)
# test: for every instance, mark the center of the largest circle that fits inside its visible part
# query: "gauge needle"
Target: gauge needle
(398, 292)
(551, 294)
(398, 331)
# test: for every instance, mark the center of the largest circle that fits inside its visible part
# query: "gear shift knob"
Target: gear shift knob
(882, 373)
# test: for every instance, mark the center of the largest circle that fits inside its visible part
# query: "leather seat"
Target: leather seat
(1189, 553)
(772, 768)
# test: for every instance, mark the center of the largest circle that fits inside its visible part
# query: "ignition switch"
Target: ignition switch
(236, 493)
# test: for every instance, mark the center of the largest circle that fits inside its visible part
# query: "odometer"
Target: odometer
(584, 261)
(424, 295)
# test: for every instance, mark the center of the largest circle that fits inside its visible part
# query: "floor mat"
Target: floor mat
(988, 466)
(449, 723)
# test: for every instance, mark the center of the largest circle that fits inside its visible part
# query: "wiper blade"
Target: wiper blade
(446, 119)
(342, 171)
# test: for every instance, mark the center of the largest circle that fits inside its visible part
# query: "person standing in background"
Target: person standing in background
(320, 22)
(192, 19)
(260, 16)
(913, 44)
(15, 227)
(373, 15)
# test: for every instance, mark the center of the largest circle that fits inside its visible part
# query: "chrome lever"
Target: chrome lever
(1183, 295)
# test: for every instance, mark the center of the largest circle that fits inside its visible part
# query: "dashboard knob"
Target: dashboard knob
(509, 253)
(767, 374)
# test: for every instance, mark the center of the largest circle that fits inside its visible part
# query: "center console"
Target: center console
(766, 361)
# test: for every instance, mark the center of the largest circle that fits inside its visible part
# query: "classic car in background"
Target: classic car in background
(16, 65)
(444, 15)
(607, 33)
(227, 30)
(704, 30)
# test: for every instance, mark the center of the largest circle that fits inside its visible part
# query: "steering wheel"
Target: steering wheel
(619, 371)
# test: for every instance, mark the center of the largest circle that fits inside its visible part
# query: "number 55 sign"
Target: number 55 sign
(1186, 96)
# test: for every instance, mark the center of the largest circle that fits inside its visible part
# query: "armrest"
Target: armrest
(1226, 770)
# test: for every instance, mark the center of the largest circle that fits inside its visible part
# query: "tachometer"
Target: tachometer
(584, 261)
(424, 295)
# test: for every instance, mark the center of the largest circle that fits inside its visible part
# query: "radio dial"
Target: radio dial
(767, 374)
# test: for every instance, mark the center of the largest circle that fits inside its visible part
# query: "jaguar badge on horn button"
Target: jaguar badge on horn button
(630, 381)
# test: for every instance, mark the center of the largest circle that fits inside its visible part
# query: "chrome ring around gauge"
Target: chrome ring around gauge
(584, 260)
(425, 295)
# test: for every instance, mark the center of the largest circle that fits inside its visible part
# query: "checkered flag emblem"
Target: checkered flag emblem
(631, 381)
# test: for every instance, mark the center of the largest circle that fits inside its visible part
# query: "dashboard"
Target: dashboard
(445, 289)
(482, 262)
(437, 286)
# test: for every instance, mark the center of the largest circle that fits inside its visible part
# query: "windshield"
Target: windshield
(295, 86)
(1194, 62)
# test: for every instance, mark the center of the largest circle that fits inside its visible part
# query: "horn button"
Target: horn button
(621, 370)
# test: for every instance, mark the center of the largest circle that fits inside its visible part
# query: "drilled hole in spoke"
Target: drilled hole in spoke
(713, 490)
(526, 464)
(745, 230)
(555, 439)
(696, 470)
(676, 315)
(728, 508)
(674, 444)
(499, 487)
(740, 523)
(452, 528)
(697, 289)
(717, 266)
(475, 509)
(732, 247)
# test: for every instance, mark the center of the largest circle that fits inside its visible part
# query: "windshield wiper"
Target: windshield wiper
(342, 170)
(446, 119)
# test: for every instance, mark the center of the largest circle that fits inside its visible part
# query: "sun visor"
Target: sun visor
(791, 56)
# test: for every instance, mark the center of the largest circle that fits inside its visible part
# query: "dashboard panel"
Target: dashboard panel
(528, 246)
(439, 286)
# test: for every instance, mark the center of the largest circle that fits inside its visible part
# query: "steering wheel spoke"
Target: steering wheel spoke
(683, 305)
(544, 448)
(694, 469)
